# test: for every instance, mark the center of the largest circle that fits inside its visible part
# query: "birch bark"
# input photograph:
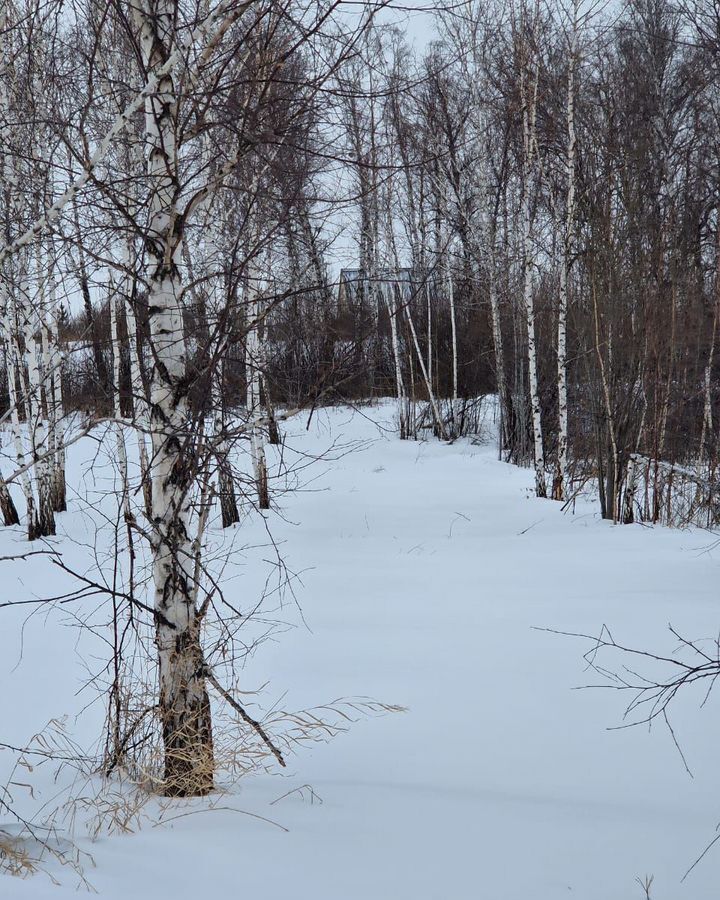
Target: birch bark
(53, 387)
(37, 431)
(226, 485)
(707, 422)
(252, 377)
(116, 402)
(9, 320)
(11, 362)
(389, 295)
(184, 702)
(560, 483)
(453, 332)
(528, 99)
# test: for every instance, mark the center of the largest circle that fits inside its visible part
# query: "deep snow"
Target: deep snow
(425, 571)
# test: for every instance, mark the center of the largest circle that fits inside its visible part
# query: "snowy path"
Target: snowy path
(425, 568)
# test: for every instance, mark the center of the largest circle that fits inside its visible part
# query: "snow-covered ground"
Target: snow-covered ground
(426, 571)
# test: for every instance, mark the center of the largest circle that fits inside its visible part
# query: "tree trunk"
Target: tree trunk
(184, 703)
(7, 506)
(560, 483)
(453, 334)
(53, 387)
(252, 376)
(529, 113)
(20, 458)
(116, 403)
(35, 422)
(226, 484)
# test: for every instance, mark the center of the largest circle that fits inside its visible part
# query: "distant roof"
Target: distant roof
(392, 275)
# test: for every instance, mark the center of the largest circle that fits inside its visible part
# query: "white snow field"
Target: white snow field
(426, 570)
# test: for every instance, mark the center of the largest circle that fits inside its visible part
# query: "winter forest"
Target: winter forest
(359, 449)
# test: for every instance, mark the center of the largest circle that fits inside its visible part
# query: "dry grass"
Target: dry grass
(95, 798)
(15, 858)
(135, 794)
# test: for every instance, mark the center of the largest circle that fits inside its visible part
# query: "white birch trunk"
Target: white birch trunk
(183, 701)
(561, 482)
(453, 330)
(389, 296)
(529, 112)
(428, 386)
(54, 392)
(397, 359)
(631, 478)
(252, 377)
(9, 320)
(11, 361)
(226, 486)
(489, 233)
(33, 403)
(116, 404)
(7, 506)
(429, 332)
(45, 343)
(707, 423)
(504, 441)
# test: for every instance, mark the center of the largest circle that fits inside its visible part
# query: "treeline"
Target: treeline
(533, 202)
(549, 174)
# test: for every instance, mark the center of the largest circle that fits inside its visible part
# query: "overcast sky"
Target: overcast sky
(416, 17)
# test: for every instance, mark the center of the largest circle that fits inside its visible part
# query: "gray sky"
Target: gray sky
(416, 17)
